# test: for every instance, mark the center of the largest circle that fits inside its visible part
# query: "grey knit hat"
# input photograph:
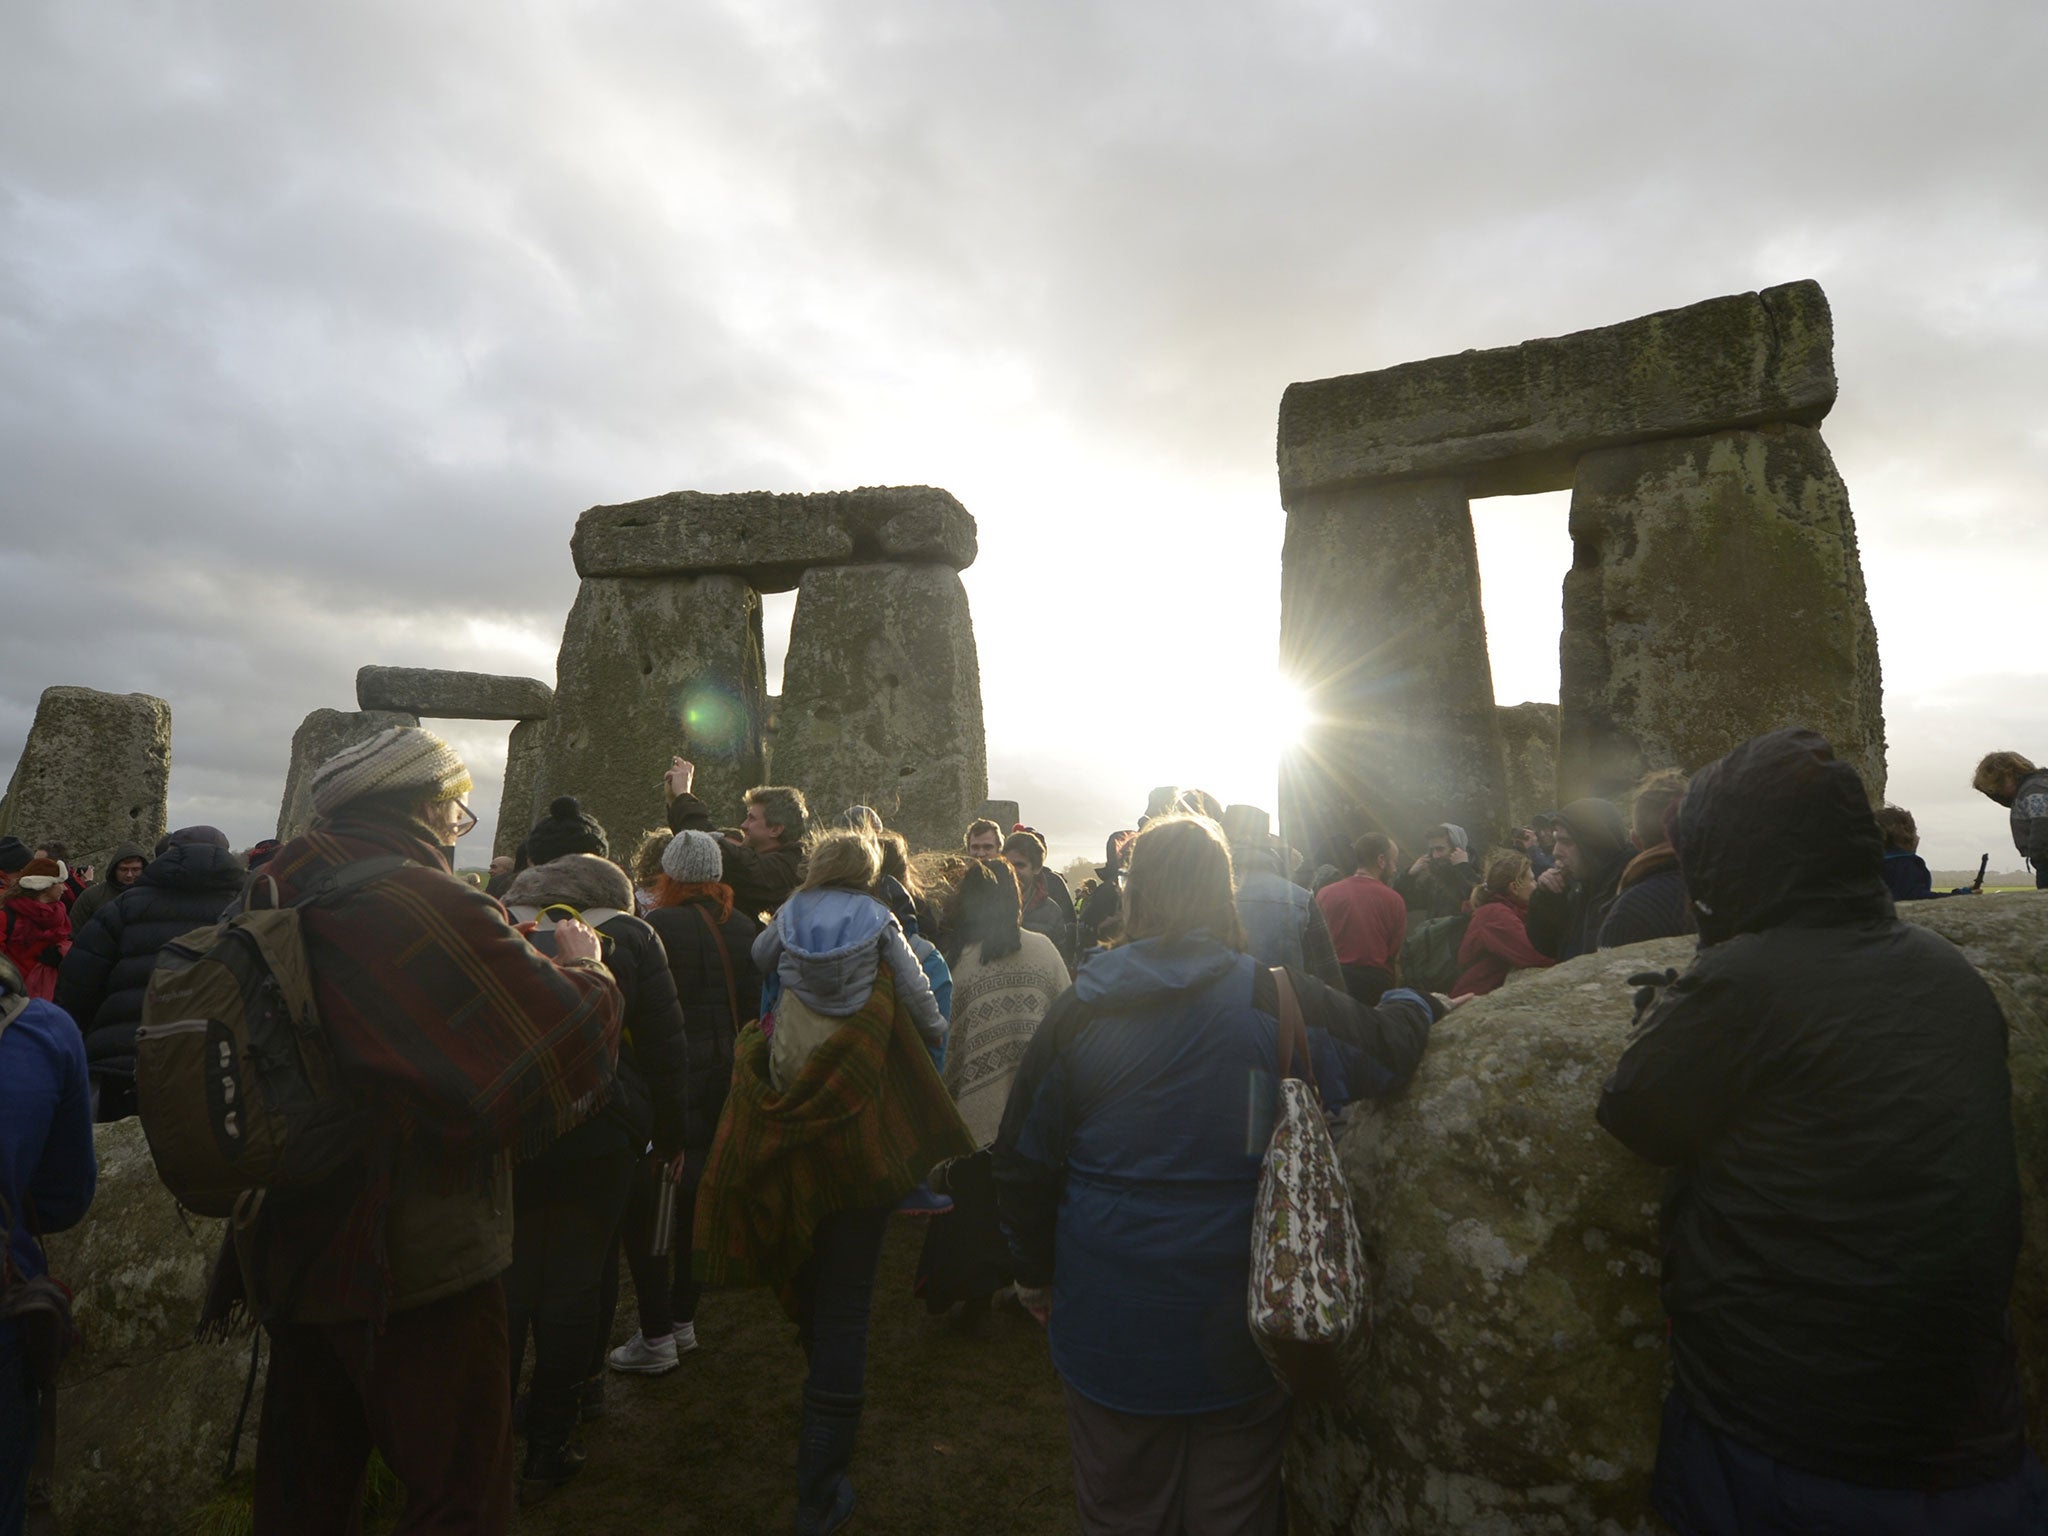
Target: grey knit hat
(693, 858)
(402, 760)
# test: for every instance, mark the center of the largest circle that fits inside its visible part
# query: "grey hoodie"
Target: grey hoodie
(825, 945)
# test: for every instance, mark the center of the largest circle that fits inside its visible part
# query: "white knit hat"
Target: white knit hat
(693, 858)
(401, 760)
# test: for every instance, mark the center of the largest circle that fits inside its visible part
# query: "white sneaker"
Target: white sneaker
(641, 1358)
(685, 1338)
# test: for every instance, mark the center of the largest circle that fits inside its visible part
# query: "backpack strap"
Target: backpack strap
(347, 879)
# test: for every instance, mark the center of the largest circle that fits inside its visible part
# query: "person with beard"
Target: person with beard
(1830, 1089)
(188, 885)
(1650, 901)
(1571, 899)
(124, 867)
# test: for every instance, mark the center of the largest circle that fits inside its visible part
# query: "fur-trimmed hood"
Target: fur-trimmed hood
(582, 880)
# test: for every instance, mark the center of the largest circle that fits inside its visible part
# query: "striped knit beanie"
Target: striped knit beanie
(403, 760)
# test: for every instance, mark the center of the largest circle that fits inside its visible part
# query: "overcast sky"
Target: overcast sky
(320, 324)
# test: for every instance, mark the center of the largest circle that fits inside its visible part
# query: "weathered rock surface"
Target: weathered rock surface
(144, 1412)
(95, 772)
(516, 813)
(1004, 813)
(1528, 749)
(650, 668)
(319, 736)
(1380, 625)
(1513, 419)
(1715, 593)
(772, 538)
(881, 699)
(1513, 1384)
(432, 693)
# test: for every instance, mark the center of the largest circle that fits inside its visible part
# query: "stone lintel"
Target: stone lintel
(435, 694)
(771, 538)
(1512, 420)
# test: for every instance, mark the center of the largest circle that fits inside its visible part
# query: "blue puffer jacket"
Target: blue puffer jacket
(106, 973)
(1128, 1160)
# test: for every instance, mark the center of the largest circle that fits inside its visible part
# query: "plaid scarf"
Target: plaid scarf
(865, 1120)
(466, 1041)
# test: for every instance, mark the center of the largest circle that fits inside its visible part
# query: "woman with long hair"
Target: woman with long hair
(1497, 938)
(1007, 978)
(1127, 1167)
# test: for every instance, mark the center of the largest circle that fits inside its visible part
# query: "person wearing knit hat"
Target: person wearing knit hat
(567, 828)
(402, 763)
(467, 1046)
(692, 858)
(35, 927)
(13, 854)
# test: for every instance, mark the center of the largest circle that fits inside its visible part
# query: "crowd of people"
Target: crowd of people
(731, 1054)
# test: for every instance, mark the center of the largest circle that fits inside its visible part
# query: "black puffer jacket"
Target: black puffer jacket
(1830, 1086)
(687, 933)
(648, 1093)
(103, 978)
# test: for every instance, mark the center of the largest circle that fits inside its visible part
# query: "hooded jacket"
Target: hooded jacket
(647, 1099)
(1829, 1086)
(1565, 924)
(825, 945)
(107, 971)
(1282, 923)
(1128, 1160)
(103, 890)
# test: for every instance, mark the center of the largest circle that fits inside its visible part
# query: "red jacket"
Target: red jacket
(1496, 942)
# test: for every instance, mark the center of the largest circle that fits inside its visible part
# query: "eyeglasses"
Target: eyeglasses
(465, 820)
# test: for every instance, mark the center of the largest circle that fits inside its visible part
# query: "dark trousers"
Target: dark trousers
(835, 1292)
(663, 1302)
(2041, 877)
(565, 1225)
(1197, 1474)
(18, 1414)
(1367, 983)
(429, 1393)
(1707, 1484)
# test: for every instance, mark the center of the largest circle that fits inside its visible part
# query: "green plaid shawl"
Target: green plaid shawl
(866, 1119)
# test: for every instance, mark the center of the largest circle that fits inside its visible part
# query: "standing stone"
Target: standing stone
(653, 667)
(1380, 626)
(146, 1411)
(319, 736)
(1715, 593)
(1528, 748)
(881, 699)
(515, 804)
(1517, 1364)
(95, 773)
(1004, 813)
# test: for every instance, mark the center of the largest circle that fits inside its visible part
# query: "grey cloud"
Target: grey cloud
(319, 326)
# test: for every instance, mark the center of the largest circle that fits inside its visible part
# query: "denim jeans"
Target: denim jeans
(835, 1292)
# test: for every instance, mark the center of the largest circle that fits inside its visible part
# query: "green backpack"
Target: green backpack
(236, 1084)
(1429, 957)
